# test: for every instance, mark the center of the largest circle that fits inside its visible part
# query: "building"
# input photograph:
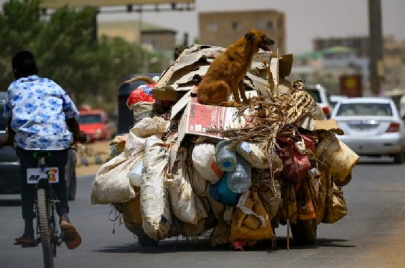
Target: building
(360, 44)
(133, 31)
(224, 28)
(158, 40)
(328, 65)
(394, 64)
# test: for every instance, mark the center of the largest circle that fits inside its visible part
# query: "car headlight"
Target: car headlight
(98, 133)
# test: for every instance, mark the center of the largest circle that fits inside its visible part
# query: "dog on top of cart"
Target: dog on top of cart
(225, 74)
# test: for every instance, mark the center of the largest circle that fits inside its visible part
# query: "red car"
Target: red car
(95, 124)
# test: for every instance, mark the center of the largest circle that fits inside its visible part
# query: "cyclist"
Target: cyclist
(41, 117)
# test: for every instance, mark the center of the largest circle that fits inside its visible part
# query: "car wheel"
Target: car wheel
(146, 241)
(399, 158)
(70, 175)
(72, 187)
(304, 232)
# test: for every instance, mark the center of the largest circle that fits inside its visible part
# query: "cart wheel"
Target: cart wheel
(304, 232)
(146, 241)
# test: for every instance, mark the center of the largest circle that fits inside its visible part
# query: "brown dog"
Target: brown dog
(226, 72)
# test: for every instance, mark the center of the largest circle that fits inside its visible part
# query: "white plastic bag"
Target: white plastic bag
(155, 206)
(203, 157)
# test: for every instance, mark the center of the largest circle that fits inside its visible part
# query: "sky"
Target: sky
(305, 19)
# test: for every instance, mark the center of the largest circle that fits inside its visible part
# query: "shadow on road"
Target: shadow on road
(10, 202)
(203, 245)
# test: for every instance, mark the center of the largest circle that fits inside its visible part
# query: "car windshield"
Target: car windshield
(89, 119)
(364, 109)
(3, 120)
(315, 94)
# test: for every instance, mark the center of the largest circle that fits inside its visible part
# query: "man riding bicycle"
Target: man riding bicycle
(41, 117)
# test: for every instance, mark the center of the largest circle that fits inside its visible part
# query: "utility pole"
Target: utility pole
(376, 46)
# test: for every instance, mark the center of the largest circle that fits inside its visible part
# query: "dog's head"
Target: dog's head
(259, 40)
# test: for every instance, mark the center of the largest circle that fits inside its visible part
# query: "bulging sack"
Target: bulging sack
(147, 127)
(111, 183)
(254, 155)
(251, 222)
(182, 197)
(336, 207)
(203, 157)
(155, 206)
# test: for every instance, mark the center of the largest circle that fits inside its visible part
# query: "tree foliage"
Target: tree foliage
(65, 50)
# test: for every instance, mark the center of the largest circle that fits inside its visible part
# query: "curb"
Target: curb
(90, 160)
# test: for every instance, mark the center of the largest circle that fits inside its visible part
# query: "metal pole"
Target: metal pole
(376, 45)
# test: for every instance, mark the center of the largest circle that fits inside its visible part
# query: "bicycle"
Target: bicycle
(45, 206)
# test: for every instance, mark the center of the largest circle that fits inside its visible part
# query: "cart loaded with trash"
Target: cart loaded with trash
(235, 173)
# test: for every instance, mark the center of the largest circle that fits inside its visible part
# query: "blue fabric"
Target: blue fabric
(39, 109)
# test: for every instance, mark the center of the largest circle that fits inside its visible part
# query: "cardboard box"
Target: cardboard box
(197, 118)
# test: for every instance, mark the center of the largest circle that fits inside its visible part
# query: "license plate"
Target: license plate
(34, 174)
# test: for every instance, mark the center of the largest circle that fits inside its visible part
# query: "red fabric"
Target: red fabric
(295, 164)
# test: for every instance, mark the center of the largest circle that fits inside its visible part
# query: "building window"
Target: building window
(265, 25)
(236, 26)
(212, 27)
(269, 24)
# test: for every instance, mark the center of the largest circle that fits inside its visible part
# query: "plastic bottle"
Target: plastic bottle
(226, 158)
(239, 180)
(220, 191)
(135, 176)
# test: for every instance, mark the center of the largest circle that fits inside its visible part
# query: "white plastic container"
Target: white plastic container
(135, 176)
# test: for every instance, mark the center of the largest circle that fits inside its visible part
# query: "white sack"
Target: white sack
(254, 155)
(198, 184)
(203, 157)
(182, 198)
(111, 184)
(147, 127)
(150, 126)
(155, 207)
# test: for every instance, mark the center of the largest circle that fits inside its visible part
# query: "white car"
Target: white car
(320, 95)
(371, 126)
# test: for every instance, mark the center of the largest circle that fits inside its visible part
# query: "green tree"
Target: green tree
(66, 52)
(19, 26)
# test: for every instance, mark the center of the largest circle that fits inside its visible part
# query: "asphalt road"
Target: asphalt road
(367, 237)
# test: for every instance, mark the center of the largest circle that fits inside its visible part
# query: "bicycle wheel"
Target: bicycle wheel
(45, 229)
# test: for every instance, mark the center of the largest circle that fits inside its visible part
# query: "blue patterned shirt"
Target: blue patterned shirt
(39, 109)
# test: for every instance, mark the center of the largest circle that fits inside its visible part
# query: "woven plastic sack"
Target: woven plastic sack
(182, 197)
(254, 155)
(111, 184)
(155, 205)
(136, 138)
(142, 110)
